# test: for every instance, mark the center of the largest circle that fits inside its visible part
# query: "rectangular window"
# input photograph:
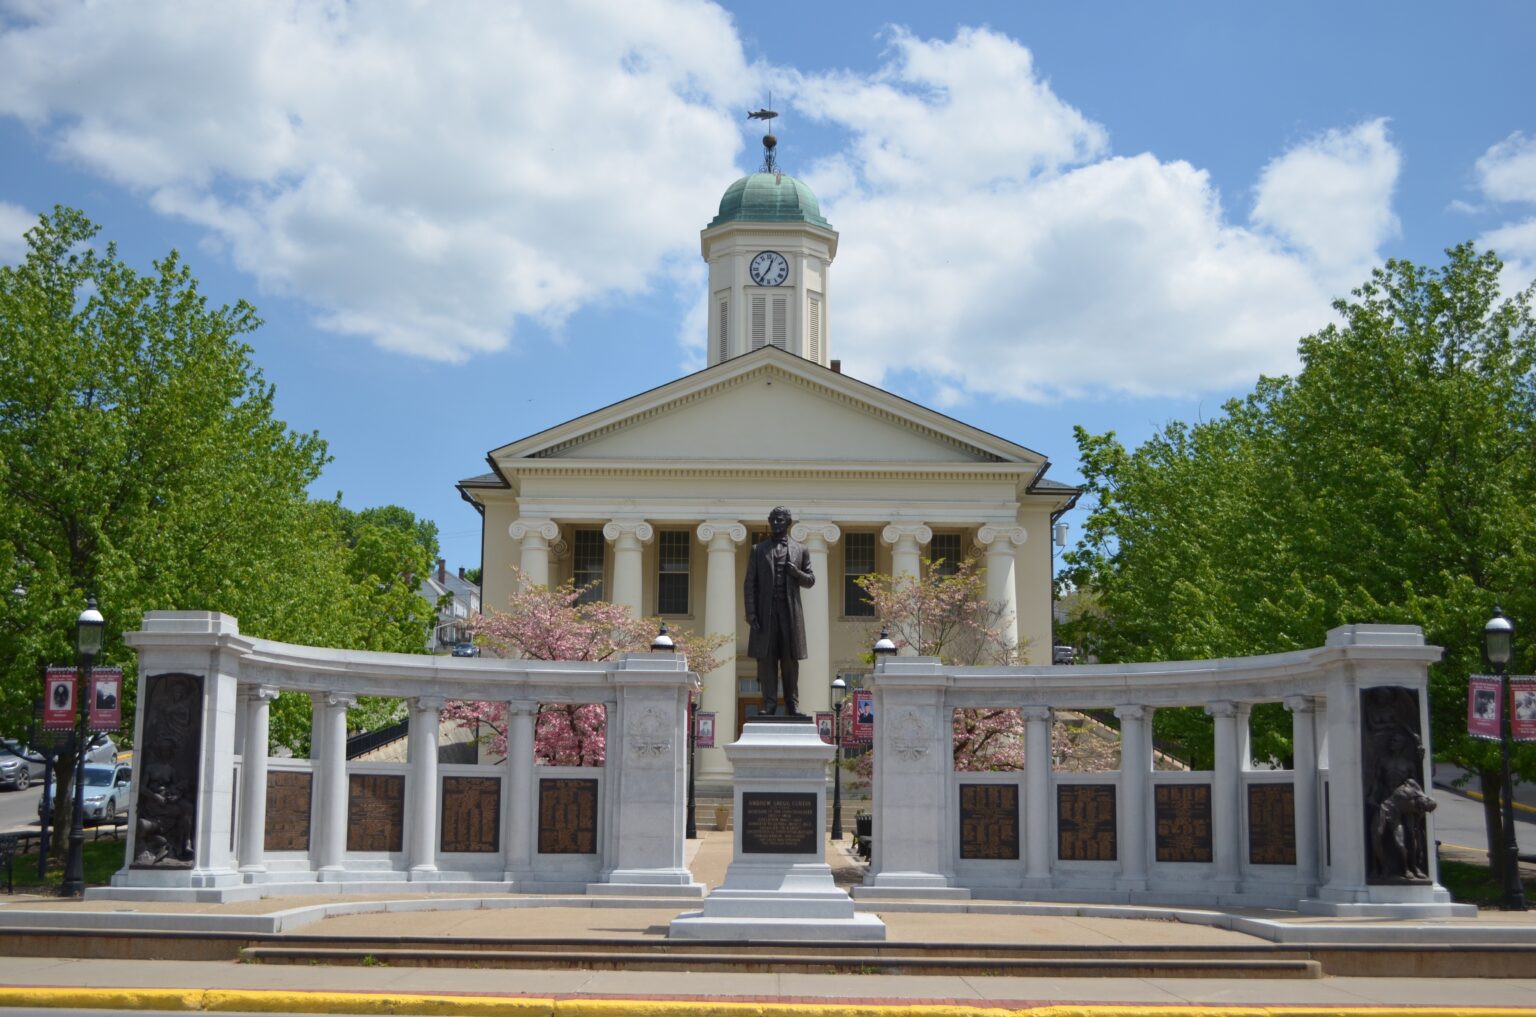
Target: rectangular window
(672, 572)
(780, 324)
(858, 560)
(947, 547)
(759, 321)
(587, 564)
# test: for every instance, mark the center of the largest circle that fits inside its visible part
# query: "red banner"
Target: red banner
(1483, 718)
(59, 699)
(704, 730)
(824, 725)
(106, 702)
(1522, 692)
(863, 726)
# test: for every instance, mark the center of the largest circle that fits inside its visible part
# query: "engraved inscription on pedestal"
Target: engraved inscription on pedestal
(471, 814)
(166, 812)
(1085, 822)
(1183, 818)
(779, 823)
(288, 800)
(1271, 824)
(567, 816)
(989, 821)
(375, 812)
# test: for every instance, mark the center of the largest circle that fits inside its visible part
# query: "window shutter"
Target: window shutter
(781, 322)
(813, 317)
(759, 321)
(723, 340)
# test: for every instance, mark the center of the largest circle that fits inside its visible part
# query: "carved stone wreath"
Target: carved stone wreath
(648, 736)
(910, 737)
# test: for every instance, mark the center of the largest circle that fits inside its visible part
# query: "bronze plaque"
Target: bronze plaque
(567, 816)
(779, 823)
(989, 821)
(471, 814)
(1271, 824)
(1183, 818)
(1085, 822)
(288, 798)
(375, 812)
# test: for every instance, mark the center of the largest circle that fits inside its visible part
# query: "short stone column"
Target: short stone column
(1037, 794)
(518, 798)
(334, 787)
(628, 540)
(1135, 790)
(536, 537)
(421, 755)
(721, 537)
(1304, 777)
(1224, 794)
(815, 670)
(1002, 545)
(253, 777)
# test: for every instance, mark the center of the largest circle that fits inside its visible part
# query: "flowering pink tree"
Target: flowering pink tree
(557, 624)
(944, 616)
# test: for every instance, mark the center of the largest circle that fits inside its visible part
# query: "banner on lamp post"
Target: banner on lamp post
(1522, 694)
(59, 699)
(1483, 717)
(704, 730)
(862, 729)
(106, 702)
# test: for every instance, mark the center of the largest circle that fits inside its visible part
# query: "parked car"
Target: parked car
(466, 650)
(19, 765)
(106, 792)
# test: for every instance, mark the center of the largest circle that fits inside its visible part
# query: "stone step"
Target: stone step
(826, 959)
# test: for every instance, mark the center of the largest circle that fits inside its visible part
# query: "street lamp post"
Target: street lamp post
(663, 644)
(88, 631)
(840, 690)
(1498, 647)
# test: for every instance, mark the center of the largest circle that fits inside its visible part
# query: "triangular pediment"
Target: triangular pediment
(768, 406)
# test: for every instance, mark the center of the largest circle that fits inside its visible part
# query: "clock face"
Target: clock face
(770, 269)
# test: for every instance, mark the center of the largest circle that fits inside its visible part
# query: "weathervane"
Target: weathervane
(770, 163)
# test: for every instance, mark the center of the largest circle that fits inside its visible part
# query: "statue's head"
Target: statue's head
(779, 521)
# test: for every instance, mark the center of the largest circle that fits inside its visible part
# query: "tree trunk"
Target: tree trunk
(63, 805)
(1492, 782)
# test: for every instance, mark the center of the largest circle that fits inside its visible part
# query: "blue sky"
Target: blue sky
(464, 223)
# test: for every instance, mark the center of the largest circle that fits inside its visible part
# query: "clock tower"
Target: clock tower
(768, 251)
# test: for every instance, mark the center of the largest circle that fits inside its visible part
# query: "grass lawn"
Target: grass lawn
(1473, 884)
(102, 858)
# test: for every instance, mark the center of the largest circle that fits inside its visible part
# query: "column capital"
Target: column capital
(259, 693)
(816, 530)
(545, 528)
(427, 704)
(345, 700)
(618, 531)
(1036, 713)
(1001, 539)
(1300, 704)
(730, 529)
(1132, 711)
(521, 707)
(1221, 708)
(894, 533)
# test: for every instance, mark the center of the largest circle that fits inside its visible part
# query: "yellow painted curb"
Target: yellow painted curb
(286, 1001)
(1477, 796)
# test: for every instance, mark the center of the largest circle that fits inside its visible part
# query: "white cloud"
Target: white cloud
(1330, 197)
(422, 175)
(14, 223)
(990, 244)
(1507, 171)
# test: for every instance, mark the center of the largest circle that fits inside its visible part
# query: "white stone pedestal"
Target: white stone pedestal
(779, 886)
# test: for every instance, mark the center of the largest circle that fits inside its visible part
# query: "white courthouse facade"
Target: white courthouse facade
(660, 496)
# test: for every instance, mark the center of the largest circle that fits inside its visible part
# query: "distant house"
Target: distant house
(457, 599)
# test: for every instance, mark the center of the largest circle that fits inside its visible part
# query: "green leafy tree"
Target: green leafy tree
(1390, 480)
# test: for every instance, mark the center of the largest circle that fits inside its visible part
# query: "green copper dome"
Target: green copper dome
(769, 197)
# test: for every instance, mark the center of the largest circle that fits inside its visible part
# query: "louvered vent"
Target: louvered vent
(780, 337)
(813, 324)
(722, 339)
(759, 322)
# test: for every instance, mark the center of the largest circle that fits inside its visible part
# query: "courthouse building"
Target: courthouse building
(659, 497)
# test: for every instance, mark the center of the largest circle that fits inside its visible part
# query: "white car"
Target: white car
(106, 792)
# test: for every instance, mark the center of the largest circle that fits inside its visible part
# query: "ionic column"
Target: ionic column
(1002, 545)
(1304, 770)
(627, 539)
(905, 540)
(1037, 792)
(1224, 795)
(332, 779)
(1135, 790)
(815, 670)
(536, 536)
(721, 537)
(421, 756)
(519, 797)
(253, 778)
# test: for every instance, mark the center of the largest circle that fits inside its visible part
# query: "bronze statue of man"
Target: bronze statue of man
(777, 569)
